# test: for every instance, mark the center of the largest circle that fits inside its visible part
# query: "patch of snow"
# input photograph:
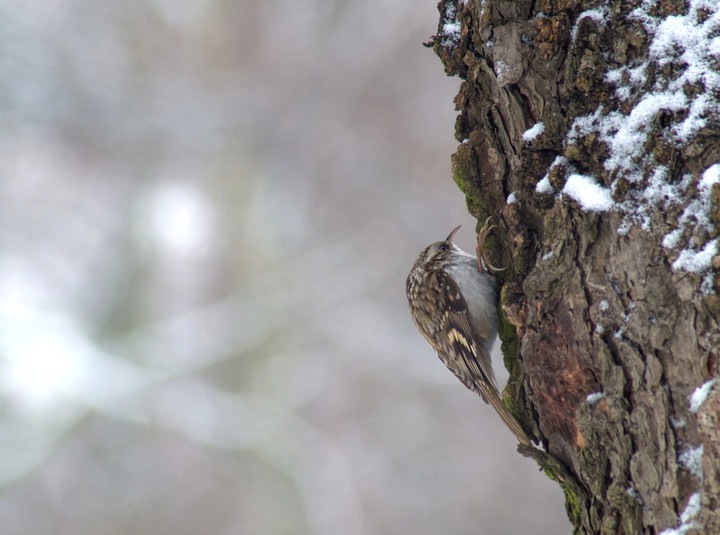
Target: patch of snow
(588, 193)
(450, 33)
(710, 176)
(511, 199)
(700, 395)
(691, 459)
(707, 284)
(614, 76)
(603, 305)
(544, 186)
(681, 41)
(714, 47)
(599, 15)
(534, 131)
(697, 261)
(451, 29)
(695, 219)
(692, 508)
(594, 398)
(682, 422)
(688, 47)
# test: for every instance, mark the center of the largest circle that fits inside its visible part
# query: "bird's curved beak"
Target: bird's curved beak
(452, 234)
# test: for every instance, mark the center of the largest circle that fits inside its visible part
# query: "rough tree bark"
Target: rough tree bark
(608, 217)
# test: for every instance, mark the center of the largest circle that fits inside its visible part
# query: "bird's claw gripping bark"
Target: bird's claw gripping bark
(480, 249)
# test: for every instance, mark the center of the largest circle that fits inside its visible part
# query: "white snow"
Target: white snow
(627, 144)
(603, 305)
(687, 219)
(544, 186)
(450, 33)
(701, 392)
(451, 29)
(599, 15)
(682, 422)
(534, 131)
(697, 261)
(511, 199)
(588, 193)
(688, 46)
(594, 398)
(714, 47)
(710, 176)
(691, 511)
(671, 238)
(692, 508)
(635, 76)
(695, 219)
(691, 459)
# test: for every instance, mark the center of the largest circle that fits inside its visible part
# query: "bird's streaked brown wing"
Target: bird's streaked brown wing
(465, 356)
(457, 340)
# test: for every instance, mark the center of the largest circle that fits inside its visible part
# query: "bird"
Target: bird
(453, 303)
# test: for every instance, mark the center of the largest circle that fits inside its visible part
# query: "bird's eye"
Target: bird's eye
(443, 247)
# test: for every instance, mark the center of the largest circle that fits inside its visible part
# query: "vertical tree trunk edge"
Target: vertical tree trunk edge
(610, 305)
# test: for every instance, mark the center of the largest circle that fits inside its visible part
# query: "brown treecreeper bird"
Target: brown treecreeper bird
(453, 302)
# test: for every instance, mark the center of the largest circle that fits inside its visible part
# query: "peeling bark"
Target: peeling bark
(593, 304)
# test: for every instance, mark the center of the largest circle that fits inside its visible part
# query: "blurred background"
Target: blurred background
(208, 209)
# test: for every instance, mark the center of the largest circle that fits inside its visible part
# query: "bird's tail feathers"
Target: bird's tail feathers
(493, 398)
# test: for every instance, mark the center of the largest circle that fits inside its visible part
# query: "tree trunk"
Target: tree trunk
(590, 131)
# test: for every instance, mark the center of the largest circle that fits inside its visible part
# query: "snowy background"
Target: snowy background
(208, 210)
